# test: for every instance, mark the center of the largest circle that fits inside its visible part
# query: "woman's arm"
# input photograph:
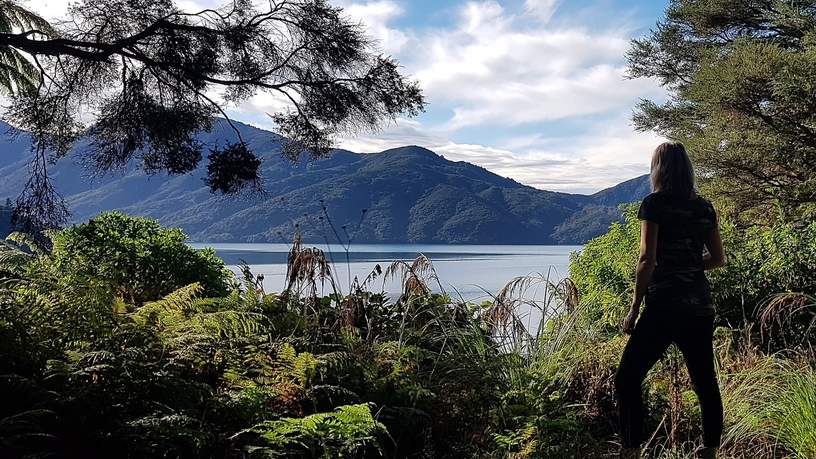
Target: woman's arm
(645, 268)
(715, 254)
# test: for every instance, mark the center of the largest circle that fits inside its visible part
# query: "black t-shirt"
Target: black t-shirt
(684, 226)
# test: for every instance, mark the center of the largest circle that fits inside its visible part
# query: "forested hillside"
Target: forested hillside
(409, 194)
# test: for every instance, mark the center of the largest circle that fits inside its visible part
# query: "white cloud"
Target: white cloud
(543, 9)
(584, 164)
(497, 68)
(194, 6)
(49, 9)
(611, 153)
(494, 67)
(375, 16)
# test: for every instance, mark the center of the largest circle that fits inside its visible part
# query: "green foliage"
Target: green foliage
(794, 413)
(761, 261)
(348, 431)
(741, 82)
(181, 374)
(771, 406)
(604, 270)
(296, 375)
(17, 72)
(539, 420)
(141, 260)
(765, 292)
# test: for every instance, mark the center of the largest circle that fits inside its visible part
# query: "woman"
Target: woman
(679, 240)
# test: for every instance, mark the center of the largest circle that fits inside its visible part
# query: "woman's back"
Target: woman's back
(677, 227)
(684, 227)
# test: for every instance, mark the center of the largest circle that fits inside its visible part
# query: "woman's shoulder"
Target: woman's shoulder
(663, 199)
(656, 199)
(653, 196)
(705, 208)
(651, 208)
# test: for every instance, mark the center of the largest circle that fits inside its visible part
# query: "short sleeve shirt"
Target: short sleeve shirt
(684, 226)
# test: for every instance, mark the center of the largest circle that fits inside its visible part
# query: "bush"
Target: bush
(770, 406)
(760, 262)
(769, 279)
(296, 375)
(138, 258)
(604, 271)
(247, 373)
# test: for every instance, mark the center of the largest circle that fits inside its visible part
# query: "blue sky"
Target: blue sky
(529, 89)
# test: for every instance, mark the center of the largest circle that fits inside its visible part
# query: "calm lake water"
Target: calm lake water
(470, 270)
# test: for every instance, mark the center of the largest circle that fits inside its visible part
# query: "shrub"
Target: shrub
(770, 405)
(760, 262)
(297, 375)
(769, 279)
(604, 271)
(138, 258)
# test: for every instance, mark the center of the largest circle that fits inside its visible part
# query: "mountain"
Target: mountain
(407, 194)
(623, 192)
(594, 219)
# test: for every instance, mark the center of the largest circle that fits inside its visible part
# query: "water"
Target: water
(471, 272)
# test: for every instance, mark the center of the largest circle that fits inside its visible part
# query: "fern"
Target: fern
(182, 314)
(17, 72)
(347, 431)
(171, 311)
(13, 259)
(289, 369)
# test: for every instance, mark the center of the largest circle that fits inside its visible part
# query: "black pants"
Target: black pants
(655, 330)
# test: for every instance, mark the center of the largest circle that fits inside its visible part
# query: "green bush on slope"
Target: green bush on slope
(760, 262)
(180, 375)
(141, 260)
(348, 431)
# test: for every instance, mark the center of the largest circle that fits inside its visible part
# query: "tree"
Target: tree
(150, 76)
(139, 259)
(741, 77)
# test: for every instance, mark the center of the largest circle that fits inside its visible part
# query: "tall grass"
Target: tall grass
(770, 406)
(794, 413)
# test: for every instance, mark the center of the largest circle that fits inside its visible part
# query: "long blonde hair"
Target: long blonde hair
(672, 171)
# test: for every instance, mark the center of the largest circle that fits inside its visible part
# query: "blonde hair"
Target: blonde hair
(672, 171)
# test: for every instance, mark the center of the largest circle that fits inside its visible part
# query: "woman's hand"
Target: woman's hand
(630, 319)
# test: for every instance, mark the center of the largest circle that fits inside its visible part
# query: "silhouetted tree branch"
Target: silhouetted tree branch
(140, 78)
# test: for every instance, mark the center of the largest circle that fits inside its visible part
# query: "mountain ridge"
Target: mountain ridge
(410, 194)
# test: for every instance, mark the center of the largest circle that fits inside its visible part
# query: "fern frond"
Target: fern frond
(14, 17)
(232, 324)
(32, 242)
(173, 309)
(17, 72)
(12, 259)
(344, 432)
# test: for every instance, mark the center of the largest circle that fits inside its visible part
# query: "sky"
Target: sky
(534, 90)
